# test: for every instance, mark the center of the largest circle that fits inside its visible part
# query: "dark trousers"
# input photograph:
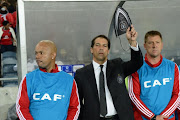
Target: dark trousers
(5, 48)
(114, 117)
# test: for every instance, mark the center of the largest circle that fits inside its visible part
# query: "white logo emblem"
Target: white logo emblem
(46, 96)
(119, 79)
(148, 84)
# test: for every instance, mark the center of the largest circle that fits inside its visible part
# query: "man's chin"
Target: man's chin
(41, 67)
(155, 56)
(101, 59)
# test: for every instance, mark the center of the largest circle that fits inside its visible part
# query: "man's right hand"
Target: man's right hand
(132, 36)
(161, 117)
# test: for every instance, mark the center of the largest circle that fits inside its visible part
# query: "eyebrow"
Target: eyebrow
(102, 44)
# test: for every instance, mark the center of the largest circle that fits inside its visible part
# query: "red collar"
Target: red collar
(52, 71)
(153, 65)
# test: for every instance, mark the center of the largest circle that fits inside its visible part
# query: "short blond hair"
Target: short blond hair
(152, 33)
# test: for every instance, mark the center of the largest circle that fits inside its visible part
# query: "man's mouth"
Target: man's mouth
(38, 61)
(101, 53)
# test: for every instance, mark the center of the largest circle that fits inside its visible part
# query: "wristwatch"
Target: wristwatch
(154, 118)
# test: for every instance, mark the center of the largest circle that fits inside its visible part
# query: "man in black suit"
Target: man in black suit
(117, 103)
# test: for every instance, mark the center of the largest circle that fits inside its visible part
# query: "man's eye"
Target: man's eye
(97, 44)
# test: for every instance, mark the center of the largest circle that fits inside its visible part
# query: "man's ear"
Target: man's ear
(144, 46)
(91, 50)
(53, 55)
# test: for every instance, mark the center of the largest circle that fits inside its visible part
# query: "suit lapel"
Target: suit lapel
(92, 79)
(108, 69)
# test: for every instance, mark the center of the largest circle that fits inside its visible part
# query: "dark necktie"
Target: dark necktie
(103, 106)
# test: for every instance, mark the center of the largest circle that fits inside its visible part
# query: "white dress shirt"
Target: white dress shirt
(110, 106)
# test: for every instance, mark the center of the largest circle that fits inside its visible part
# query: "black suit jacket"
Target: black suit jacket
(116, 72)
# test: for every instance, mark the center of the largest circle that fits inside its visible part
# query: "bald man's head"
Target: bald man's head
(45, 52)
(50, 44)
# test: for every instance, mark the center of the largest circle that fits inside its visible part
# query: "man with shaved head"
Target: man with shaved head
(47, 93)
(45, 52)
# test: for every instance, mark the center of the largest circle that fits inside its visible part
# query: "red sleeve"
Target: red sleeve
(173, 103)
(134, 93)
(22, 102)
(14, 14)
(10, 19)
(74, 105)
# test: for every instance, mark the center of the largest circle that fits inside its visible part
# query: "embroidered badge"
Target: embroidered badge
(119, 79)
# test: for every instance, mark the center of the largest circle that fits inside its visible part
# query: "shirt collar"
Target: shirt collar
(96, 65)
(153, 65)
(52, 71)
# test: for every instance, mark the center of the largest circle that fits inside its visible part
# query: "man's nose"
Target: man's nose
(101, 47)
(154, 45)
(37, 56)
